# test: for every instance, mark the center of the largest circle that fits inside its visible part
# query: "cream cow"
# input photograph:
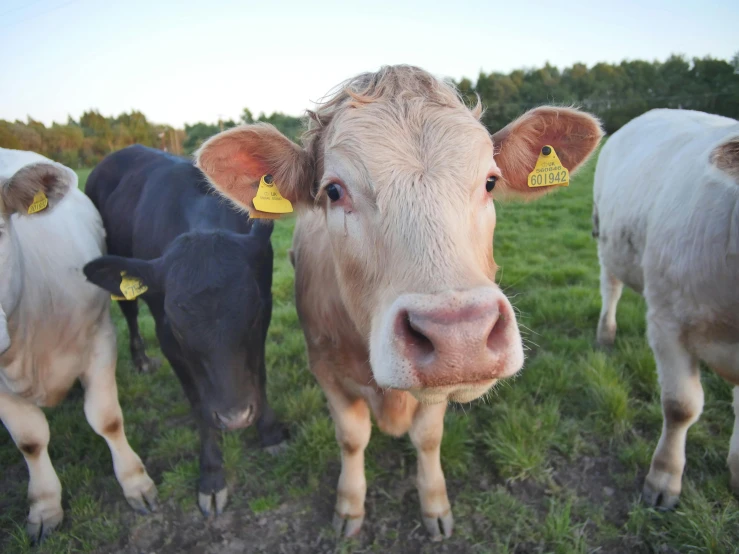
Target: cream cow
(55, 328)
(394, 269)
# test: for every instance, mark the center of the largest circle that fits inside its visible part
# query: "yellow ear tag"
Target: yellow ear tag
(40, 203)
(269, 199)
(131, 287)
(549, 171)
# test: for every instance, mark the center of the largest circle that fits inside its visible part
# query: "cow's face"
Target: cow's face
(406, 176)
(215, 318)
(18, 193)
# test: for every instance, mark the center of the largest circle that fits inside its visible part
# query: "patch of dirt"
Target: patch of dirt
(392, 523)
(301, 525)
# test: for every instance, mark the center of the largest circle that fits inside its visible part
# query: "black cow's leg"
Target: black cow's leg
(272, 433)
(130, 309)
(212, 490)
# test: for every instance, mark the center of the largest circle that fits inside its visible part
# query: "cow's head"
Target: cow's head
(215, 291)
(406, 175)
(30, 192)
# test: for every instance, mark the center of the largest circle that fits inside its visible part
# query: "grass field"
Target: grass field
(552, 461)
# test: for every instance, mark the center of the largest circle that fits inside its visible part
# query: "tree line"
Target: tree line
(615, 92)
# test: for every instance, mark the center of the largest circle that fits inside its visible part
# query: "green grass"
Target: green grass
(526, 468)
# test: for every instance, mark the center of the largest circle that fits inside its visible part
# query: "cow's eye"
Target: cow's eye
(490, 183)
(335, 192)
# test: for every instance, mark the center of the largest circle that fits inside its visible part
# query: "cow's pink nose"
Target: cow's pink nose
(453, 338)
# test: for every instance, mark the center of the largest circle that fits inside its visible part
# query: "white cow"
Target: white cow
(55, 328)
(666, 216)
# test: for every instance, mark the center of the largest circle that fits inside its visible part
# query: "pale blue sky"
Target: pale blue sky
(186, 61)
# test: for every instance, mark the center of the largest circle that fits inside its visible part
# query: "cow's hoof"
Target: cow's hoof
(606, 335)
(657, 496)
(148, 365)
(142, 496)
(213, 503)
(439, 526)
(347, 525)
(42, 520)
(276, 449)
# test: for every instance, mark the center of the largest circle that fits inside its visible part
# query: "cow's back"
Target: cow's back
(148, 198)
(669, 219)
(116, 186)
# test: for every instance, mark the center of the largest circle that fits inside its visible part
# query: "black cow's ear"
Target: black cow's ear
(124, 277)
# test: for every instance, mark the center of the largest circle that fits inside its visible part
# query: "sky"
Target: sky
(182, 61)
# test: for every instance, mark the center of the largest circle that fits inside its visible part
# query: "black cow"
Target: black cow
(208, 269)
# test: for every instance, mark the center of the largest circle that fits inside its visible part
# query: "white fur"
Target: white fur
(43, 290)
(668, 226)
(59, 330)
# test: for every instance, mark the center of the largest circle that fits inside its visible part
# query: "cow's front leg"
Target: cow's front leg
(426, 432)
(104, 415)
(353, 425)
(682, 404)
(29, 429)
(272, 433)
(141, 361)
(212, 490)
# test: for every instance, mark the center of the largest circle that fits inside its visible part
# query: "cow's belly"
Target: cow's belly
(41, 381)
(717, 344)
(43, 367)
(705, 312)
(621, 254)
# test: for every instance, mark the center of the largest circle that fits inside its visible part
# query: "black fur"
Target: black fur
(208, 269)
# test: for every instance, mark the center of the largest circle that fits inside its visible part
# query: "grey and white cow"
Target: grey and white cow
(666, 216)
(55, 328)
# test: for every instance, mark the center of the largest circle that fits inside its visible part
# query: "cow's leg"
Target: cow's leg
(104, 414)
(682, 404)
(143, 363)
(426, 432)
(610, 292)
(353, 426)
(733, 460)
(29, 429)
(212, 489)
(272, 433)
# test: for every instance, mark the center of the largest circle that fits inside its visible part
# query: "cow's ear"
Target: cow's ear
(125, 277)
(573, 134)
(726, 157)
(36, 188)
(236, 160)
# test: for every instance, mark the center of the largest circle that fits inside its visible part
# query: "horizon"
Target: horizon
(189, 64)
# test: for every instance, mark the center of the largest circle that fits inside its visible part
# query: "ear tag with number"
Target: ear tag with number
(549, 171)
(269, 199)
(40, 203)
(131, 287)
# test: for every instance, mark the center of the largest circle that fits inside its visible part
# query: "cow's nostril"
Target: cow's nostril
(419, 346)
(496, 337)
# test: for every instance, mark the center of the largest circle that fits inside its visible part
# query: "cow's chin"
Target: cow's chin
(462, 393)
